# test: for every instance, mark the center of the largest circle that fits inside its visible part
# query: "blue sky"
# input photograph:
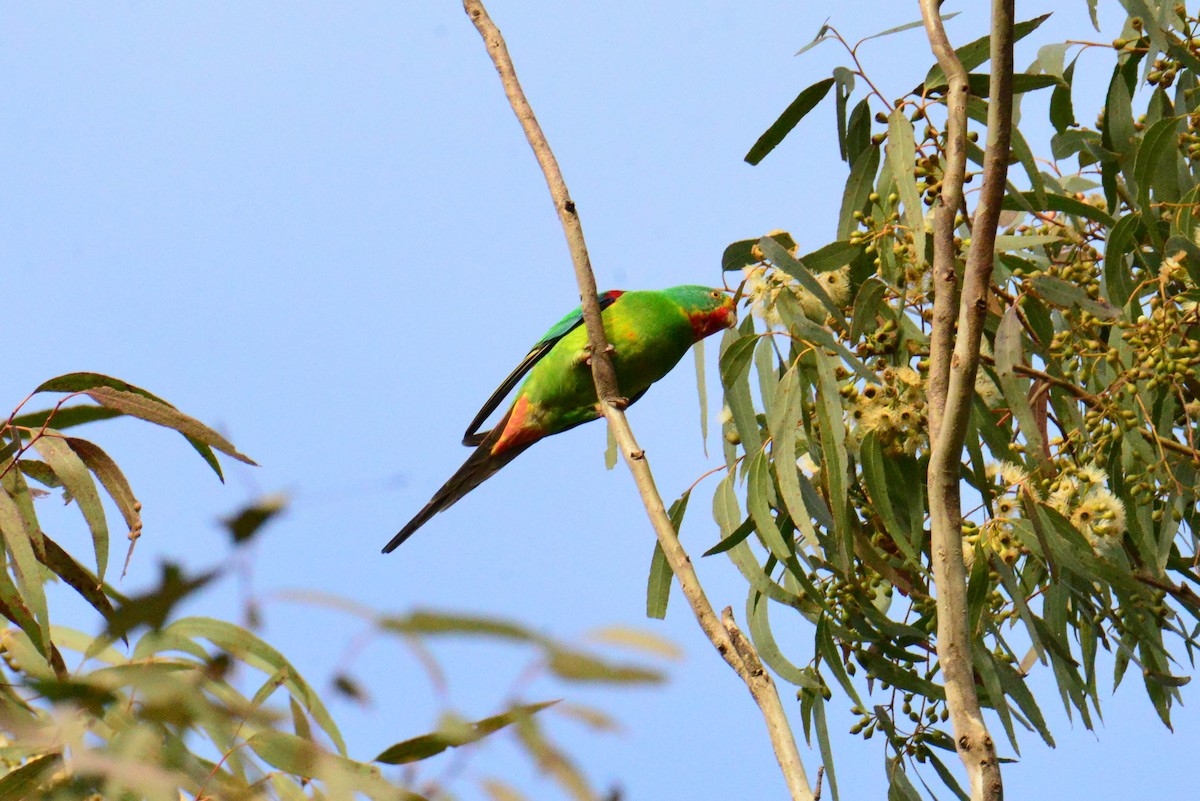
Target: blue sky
(320, 229)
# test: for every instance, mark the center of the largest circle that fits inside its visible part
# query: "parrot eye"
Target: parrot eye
(714, 294)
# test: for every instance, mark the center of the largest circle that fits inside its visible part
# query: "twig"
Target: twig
(1097, 402)
(727, 639)
(954, 360)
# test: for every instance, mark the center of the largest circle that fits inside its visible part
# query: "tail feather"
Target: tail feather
(479, 467)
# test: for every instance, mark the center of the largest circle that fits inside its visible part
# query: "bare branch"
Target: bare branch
(726, 638)
(945, 268)
(954, 361)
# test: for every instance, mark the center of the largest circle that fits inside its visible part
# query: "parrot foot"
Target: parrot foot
(586, 356)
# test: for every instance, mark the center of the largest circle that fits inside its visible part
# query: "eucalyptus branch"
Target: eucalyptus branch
(733, 646)
(945, 270)
(954, 360)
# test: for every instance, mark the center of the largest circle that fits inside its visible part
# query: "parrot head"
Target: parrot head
(709, 310)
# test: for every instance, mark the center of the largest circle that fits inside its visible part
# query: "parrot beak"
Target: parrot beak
(730, 313)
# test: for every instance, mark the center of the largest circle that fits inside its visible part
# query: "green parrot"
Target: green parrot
(648, 333)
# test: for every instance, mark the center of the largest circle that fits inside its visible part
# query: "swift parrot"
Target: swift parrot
(648, 332)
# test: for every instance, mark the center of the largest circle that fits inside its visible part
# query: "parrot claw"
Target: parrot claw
(586, 356)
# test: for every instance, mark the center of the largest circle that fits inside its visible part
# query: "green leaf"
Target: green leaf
(257, 654)
(428, 745)
(571, 665)
(884, 669)
(824, 743)
(658, 587)
(1118, 279)
(807, 331)
(1062, 112)
(112, 479)
(845, 85)
(425, 623)
(244, 525)
(1022, 82)
(1015, 388)
(85, 382)
(152, 608)
(735, 359)
(552, 761)
(986, 670)
(701, 394)
(75, 477)
(875, 477)
(301, 757)
(857, 193)
(1066, 294)
(1014, 686)
(1055, 202)
(805, 102)
(13, 607)
(77, 577)
(1118, 134)
(735, 379)
(796, 269)
(728, 517)
(976, 53)
(788, 401)
(858, 133)
(19, 540)
(66, 417)
(901, 151)
(833, 256)
(1051, 58)
(500, 791)
(1157, 152)
(1007, 242)
(637, 639)
(947, 777)
(742, 253)
(758, 490)
(833, 451)
(816, 40)
(163, 414)
(899, 787)
(1190, 258)
(739, 535)
(32, 779)
(908, 26)
(828, 651)
(764, 641)
(866, 308)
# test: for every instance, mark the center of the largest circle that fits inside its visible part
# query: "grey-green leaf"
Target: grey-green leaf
(805, 102)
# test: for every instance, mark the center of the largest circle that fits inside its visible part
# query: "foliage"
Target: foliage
(157, 707)
(1080, 450)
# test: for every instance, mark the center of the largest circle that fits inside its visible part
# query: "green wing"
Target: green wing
(566, 325)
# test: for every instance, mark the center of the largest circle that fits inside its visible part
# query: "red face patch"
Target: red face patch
(710, 322)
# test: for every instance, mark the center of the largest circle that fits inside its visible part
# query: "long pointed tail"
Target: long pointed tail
(479, 467)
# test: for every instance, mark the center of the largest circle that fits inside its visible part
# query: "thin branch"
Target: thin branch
(954, 360)
(726, 638)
